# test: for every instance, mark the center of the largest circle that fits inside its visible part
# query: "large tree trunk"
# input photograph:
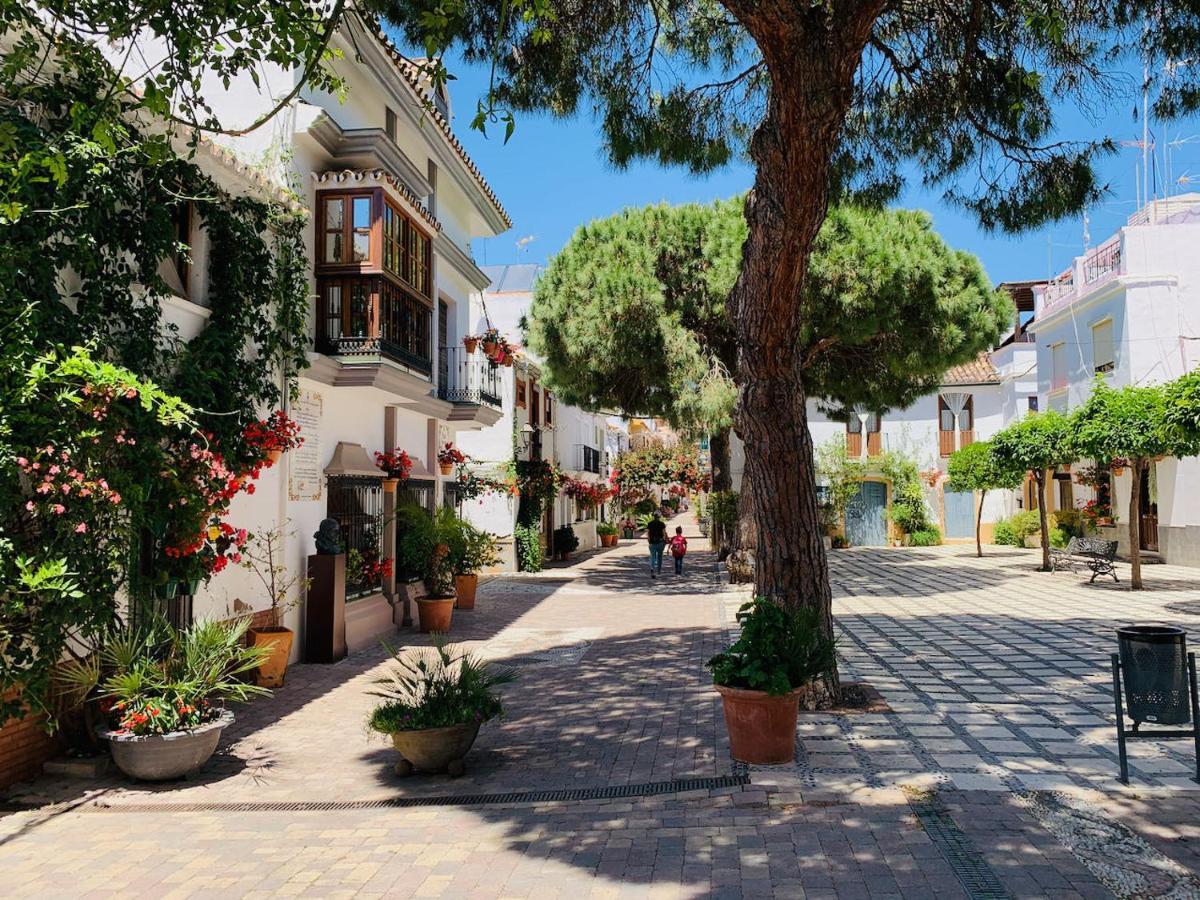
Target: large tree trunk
(718, 451)
(743, 543)
(812, 54)
(1135, 524)
(979, 524)
(1039, 480)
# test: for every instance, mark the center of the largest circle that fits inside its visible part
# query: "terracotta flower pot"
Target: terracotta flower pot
(762, 728)
(279, 640)
(434, 749)
(465, 587)
(274, 456)
(435, 613)
(489, 347)
(446, 468)
(390, 484)
(508, 361)
(470, 343)
(161, 757)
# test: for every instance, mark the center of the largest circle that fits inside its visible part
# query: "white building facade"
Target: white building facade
(1129, 311)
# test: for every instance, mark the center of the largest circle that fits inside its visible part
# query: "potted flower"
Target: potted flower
(491, 340)
(273, 436)
(162, 692)
(629, 528)
(472, 550)
(566, 541)
(777, 657)
(396, 464)
(1117, 466)
(425, 551)
(470, 342)
(263, 555)
(433, 704)
(608, 534)
(449, 457)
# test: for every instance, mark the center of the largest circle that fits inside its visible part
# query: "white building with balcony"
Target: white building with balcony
(395, 203)
(1130, 310)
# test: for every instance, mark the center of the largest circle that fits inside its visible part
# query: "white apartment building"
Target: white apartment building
(395, 203)
(1129, 310)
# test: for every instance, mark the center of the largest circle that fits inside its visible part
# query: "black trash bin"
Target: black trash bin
(1155, 669)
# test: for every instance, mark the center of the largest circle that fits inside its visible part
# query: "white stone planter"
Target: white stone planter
(161, 757)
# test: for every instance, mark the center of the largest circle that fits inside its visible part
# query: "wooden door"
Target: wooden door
(1149, 518)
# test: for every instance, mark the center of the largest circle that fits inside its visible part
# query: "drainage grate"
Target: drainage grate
(652, 789)
(967, 863)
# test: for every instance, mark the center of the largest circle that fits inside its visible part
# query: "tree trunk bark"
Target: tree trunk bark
(718, 450)
(1135, 524)
(979, 523)
(1039, 478)
(743, 542)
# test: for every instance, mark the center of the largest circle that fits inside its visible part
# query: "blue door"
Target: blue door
(960, 514)
(866, 516)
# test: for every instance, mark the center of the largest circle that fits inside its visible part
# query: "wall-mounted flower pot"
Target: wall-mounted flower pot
(465, 587)
(278, 640)
(445, 468)
(434, 614)
(274, 456)
(390, 484)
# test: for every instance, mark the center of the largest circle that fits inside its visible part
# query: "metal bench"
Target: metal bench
(1096, 554)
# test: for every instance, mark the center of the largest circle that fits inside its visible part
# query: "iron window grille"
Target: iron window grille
(356, 504)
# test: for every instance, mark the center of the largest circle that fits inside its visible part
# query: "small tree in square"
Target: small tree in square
(1035, 445)
(976, 468)
(1131, 423)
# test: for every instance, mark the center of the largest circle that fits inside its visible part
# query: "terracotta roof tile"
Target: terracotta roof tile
(978, 371)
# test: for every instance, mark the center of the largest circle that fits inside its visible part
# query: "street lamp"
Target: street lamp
(527, 433)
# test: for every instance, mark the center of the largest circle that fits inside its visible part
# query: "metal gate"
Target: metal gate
(960, 513)
(866, 516)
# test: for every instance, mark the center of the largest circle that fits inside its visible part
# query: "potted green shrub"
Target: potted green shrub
(778, 656)
(566, 541)
(433, 703)
(607, 533)
(425, 550)
(472, 550)
(162, 692)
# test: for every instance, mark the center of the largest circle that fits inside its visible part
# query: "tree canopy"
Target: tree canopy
(631, 314)
(976, 468)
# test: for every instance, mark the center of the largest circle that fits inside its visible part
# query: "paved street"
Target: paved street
(992, 773)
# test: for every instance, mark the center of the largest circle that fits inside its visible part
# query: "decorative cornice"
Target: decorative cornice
(345, 176)
(367, 148)
(457, 257)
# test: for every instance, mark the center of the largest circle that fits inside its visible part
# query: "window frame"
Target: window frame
(1111, 363)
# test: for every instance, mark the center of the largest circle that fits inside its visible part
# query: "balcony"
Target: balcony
(363, 319)
(468, 378)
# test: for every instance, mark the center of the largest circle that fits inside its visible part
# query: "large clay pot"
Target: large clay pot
(434, 749)
(278, 639)
(465, 587)
(762, 728)
(435, 613)
(161, 757)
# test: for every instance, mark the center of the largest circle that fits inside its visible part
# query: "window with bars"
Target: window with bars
(549, 408)
(356, 504)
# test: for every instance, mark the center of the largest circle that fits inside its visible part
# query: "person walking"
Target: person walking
(678, 549)
(656, 537)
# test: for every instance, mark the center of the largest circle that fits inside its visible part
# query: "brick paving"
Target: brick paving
(995, 675)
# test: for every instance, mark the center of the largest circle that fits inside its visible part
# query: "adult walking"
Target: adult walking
(656, 537)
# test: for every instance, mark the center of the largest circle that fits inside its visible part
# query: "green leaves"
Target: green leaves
(777, 650)
(1041, 440)
(975, 467)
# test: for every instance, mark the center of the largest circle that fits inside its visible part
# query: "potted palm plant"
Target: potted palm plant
(433, 703)
(778, 656)
(263, 555)
(608, 534)
(472, 549)
(162, 692)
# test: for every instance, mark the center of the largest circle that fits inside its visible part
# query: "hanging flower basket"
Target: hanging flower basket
(508, 361)
(470, 343)
(390, 484)
(489, 348)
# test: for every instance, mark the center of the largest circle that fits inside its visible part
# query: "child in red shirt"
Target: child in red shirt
(678, 549)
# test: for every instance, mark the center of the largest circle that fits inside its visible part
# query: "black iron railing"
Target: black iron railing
(357, 505)
(470, 378)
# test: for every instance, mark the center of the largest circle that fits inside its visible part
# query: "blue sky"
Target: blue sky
(552, 177)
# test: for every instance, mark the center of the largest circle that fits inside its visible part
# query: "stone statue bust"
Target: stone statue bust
(328, 537)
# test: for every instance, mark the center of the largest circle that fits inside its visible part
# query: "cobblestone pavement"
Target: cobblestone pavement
(992, 775)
